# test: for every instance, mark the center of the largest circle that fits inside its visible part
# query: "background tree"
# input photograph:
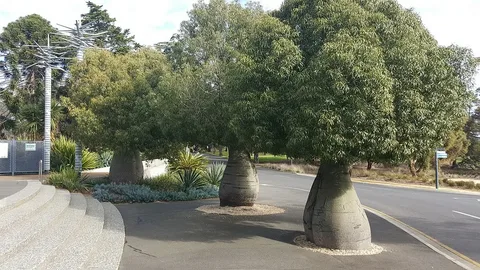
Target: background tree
(119, 102)
(116, 39)
(374, 84)
(235, 58)
(24, 96)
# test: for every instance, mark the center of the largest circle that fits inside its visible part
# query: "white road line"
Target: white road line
(455, 198)
(468, 215)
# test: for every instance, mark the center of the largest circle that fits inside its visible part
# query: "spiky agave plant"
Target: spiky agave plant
(214, 174)
(188, 161)
(190, 179)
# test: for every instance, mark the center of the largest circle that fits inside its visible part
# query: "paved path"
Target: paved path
(8, 188)
(451, 218)
(176, 236)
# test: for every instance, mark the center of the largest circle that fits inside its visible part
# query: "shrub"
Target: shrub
(460, 183)
(477, 185)
(187, 161)
(105, 158)
(451, 183)
(63, 155)
(129, 193)
(470, 184)
(190, 179)
(214, 174)
(164, 182)
(68, 179)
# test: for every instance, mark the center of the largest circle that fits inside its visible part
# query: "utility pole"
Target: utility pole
(48, 113)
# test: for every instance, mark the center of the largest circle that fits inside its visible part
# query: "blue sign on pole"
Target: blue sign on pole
(439, 154)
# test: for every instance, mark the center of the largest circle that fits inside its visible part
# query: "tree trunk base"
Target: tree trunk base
(126, 167)
(333, 216)
(239, 186)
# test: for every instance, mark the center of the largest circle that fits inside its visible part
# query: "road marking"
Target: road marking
(465, 214)
(455, 198)
(429, 241)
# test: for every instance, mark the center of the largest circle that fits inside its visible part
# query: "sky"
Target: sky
(450, 21)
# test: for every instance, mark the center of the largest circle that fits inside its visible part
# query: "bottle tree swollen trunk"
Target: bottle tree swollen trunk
(240, 184)
(333, 216)
(126, 167)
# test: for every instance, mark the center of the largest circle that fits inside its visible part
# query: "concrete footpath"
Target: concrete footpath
(176, 236)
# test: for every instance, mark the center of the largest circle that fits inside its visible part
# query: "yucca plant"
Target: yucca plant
(190, 179)
(187, 161)
(63, 155)
(214, 174)
(105, 158)
(68, 179)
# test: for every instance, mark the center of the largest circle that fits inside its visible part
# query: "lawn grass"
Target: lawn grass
(269, 158)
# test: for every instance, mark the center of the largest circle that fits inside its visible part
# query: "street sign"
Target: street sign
(30, 147)
(441, 154)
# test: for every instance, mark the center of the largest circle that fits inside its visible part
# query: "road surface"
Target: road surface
(453, 219)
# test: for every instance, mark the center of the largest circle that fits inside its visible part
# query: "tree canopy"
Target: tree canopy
(24, 95)
(236, 57)
(118, 101)
(116, 39)
(374, 83)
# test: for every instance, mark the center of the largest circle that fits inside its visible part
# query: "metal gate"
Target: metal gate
(20, 156)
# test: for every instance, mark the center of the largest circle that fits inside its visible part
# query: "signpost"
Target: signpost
(439, 154)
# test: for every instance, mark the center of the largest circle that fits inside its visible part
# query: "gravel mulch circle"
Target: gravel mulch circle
(256, 210)
(302, 241)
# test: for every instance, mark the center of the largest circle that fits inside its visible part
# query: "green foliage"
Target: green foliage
(105, 158)
(269, 158)
(456, 145)
(116, 39)
(63, 155)
(68, 179)
(118, 102)
(188, 161)
(164, 182)
(231, 60)
(128, 193)
(214, 174)
(24, 96)
(359, 95)
(190, 179)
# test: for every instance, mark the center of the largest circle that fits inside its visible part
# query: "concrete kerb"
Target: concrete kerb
(444, 250)
(449, 253)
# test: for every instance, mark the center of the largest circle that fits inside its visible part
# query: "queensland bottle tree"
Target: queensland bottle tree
(235, 57)
(373, 84)
(121, 102)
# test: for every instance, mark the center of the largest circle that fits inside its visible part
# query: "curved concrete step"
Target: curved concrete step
(109, 249)
(34, 251)
(18, 232)
(75, 250)
(26, 209)
(32, 188)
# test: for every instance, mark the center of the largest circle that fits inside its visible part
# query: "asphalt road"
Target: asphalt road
(8, 188)
(451, 218)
